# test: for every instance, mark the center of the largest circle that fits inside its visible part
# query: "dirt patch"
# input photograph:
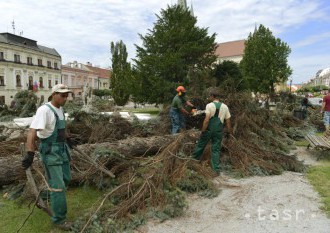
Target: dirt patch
(285, 203)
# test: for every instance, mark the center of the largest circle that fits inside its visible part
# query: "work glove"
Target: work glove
(28, 160)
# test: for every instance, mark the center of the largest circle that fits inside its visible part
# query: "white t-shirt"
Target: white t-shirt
(44, 121)
(223, 112)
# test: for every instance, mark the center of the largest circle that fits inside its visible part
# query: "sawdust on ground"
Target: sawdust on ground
(286, 204)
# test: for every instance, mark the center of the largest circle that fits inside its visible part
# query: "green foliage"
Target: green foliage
(175, 204)
(72, 106)
(121, 73)
(124, 225)
(103, 92)
(312, 89)
(229, 72)
(319, 88)
(199, 80)
(305, 89)
(265, 61)
(25, 103)
(193, 182)
(174, 46)
(103, 105)
(319, 177)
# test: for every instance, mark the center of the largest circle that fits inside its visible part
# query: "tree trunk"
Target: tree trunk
(12, 171)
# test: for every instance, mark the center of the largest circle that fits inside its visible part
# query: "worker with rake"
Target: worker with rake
(216, 114)
(177, 110)
(49, 126)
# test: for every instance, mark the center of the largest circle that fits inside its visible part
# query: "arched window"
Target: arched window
(30, 83)
(18, 81)
(41, 82)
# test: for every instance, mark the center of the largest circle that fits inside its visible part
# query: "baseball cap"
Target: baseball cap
(60, 88)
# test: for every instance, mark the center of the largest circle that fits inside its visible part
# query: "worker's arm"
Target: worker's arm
(206, 122)
(184, 111)
(30, 146)
(190, 104)
(228, 125)
(31, 139)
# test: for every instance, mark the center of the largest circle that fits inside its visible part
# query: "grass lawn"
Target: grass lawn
(303, 143)
(80, 200)
(319, 177)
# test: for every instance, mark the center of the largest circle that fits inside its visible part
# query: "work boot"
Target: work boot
(66, 226)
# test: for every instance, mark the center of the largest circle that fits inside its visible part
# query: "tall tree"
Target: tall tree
(228, 73)
(265, 61)
(174, 46)
(121, 73)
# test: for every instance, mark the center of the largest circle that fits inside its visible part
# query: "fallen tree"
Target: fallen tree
(11, 170)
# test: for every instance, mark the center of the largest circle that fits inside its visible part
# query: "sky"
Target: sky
(82, 30)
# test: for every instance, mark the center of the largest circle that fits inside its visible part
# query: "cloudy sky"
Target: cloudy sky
(81, 30)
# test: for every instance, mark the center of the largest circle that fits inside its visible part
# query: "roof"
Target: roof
(13, 39)
(230, 49)
(68, 68)
(101, 72)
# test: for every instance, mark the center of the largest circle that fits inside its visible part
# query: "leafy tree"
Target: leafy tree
(229, 73)
(121, 73)
(102, 92)
(174, 46)
(265, 61)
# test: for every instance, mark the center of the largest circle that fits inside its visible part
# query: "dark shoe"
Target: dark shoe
(66, 226)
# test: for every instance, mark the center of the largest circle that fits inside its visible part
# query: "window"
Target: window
(17, 58)
(30, 83)
(2, 80)
(39, 62)
(2, 100)
(29, 60)
(49, 83)
(49, 64)
(65, 80)
(18, 81)
(55, 65)
(41, 82)
(2, 56)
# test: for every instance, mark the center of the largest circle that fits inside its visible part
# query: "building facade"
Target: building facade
(25, 65)
(77, 76)
(230, 51)
(322, 77)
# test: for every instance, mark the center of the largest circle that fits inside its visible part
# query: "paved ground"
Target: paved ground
(286, 204)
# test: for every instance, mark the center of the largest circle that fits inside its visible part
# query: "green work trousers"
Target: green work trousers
(214, 133)
(59, 180)
(57, 168)
(216, 138)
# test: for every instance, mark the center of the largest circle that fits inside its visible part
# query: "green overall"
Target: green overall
(214, 133)
(55, 155)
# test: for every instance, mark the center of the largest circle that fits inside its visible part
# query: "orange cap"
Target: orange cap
(180, 89)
